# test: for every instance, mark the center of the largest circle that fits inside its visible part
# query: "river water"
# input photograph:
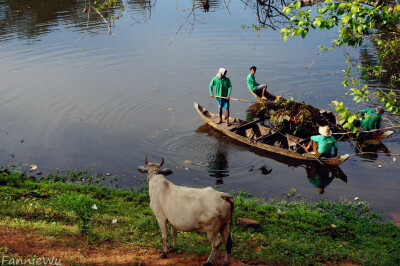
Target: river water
(104, 102)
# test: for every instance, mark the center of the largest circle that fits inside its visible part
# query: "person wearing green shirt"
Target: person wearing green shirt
(371, 118)
(322, 144)
(259, 89)
(223, 88)
(319, 177)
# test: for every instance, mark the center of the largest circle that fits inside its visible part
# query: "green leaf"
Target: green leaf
(355, 9)
(304, 33)
(298, 5)
(284, 38)
(286, 10)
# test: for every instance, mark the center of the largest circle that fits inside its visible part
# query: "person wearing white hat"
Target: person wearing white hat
(223, 88)
(322, 144)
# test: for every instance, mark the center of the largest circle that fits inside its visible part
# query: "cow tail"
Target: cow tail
(229, 243)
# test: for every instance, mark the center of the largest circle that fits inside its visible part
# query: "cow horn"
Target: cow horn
(145, 161)
(162, 161)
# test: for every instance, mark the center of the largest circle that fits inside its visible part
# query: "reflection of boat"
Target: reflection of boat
(265, 138)
(370, 149)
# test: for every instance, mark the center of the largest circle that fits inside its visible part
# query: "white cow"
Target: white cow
(189, 209)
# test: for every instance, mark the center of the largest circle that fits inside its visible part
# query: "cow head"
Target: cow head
(153, 168)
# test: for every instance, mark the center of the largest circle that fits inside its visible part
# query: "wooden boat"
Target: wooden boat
(328, 115)
(265, 138)
(363, 135)
(259, 98)
(373, 135)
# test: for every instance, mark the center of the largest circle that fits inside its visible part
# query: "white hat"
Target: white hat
(325, 131)
(221, 72)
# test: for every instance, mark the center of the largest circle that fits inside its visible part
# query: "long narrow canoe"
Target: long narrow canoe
(265, 138)
(258, 97)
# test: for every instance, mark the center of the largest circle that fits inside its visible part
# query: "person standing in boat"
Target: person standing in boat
(223, 88)
(259, 89)
(371, 118)
(322, 144)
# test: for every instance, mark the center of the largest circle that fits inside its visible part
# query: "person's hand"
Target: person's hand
(212, 95)
(228, 97)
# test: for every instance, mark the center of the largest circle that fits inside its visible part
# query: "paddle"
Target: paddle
(234, 99)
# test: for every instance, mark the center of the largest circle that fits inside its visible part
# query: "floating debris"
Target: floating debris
(108, 174)
(38, 172)
(188, 161)
(380, 166)
(356, 198)
(32, 167)
(394, 159)
(170, 109)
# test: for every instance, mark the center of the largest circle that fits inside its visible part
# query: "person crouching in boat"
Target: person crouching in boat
(223, 88)
(322, 144)
(371, 118)
(259, 89)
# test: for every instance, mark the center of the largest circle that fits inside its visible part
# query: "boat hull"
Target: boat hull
(258, 132)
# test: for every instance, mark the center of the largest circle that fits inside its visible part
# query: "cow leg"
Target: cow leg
(164, 234)
(215, 242)
(226, 235)
(174, 235)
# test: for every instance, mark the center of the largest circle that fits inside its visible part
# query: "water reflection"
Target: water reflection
(218, 164)
(370, 149)
(264, 170)
(30, 19)
(320, 177)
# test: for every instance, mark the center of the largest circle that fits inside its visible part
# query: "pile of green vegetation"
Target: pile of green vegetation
(292, 231)
(299, 119)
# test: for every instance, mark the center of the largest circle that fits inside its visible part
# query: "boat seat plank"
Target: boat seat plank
(265, 137)
(246, 125)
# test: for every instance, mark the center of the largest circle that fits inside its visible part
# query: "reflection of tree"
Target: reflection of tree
(370, 149)
(29, 19)
(321, 177)
(218, 164)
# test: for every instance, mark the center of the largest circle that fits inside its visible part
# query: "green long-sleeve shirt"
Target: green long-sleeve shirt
(371, 120)
(251, 82)
(223, 87)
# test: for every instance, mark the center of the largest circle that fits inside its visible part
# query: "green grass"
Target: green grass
(291, 232)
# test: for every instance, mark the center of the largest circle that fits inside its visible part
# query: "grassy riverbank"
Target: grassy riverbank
(291, 232)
